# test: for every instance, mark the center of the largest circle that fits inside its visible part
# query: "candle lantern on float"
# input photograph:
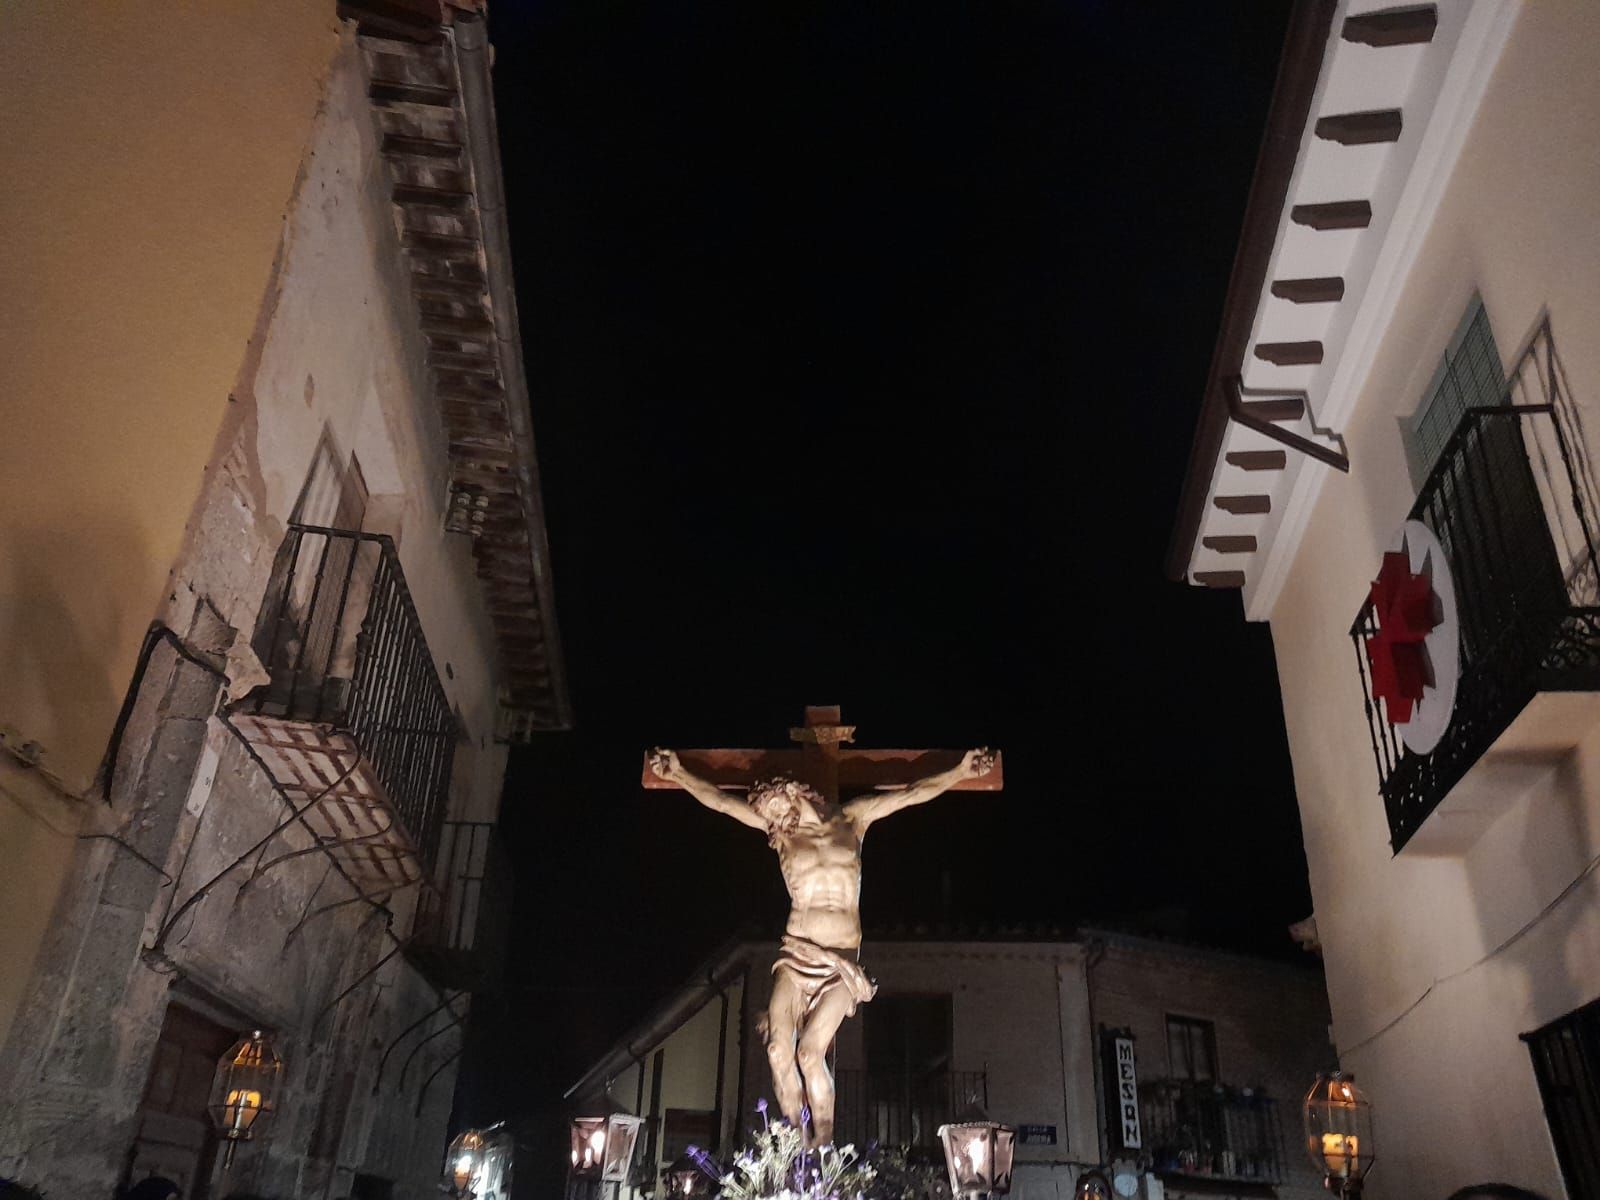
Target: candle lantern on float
(978, 1155)
(602, 1147)
(463, 1163)
(245, 1091)
(1338, 1121)
(685, 1180)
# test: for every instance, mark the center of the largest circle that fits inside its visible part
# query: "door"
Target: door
(176, 1139)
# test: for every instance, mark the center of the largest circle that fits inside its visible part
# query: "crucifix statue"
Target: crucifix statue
(794, 798)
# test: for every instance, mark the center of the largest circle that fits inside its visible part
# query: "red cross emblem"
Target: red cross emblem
(1403, 604)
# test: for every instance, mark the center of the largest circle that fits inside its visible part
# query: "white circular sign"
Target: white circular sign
(1430, 717)
(1126, 1184)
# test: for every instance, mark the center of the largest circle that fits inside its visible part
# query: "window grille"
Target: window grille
(1566, 1062)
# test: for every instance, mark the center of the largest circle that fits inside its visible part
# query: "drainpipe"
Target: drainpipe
(717, 1108)
(1095, 951)
(483, 152)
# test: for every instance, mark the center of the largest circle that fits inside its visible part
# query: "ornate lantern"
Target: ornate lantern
(685, 1180)
(602, 1147)
(978, 1154)
(245, 1090)
(464, 1162)
(1338, 1119)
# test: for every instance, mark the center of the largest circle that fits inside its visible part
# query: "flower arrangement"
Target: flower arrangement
(776, 1165)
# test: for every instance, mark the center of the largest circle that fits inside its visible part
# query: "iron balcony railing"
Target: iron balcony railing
(1211, 1131)
(460, 934)
(1512, 503)
(342, 644)
(895, 1109)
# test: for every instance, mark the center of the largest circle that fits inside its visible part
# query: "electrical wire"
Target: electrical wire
(44, 822)
(1544, 912)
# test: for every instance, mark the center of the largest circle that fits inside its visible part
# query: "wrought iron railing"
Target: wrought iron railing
(895, 1109)
(1512, 503)
(1211, 1131)
(343, 647)
(462, 920)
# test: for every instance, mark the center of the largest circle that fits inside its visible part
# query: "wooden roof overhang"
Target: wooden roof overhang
(428, 81)
(1367, 101)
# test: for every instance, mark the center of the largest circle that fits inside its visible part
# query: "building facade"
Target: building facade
(277, 592)
(1394, 466)
(1223, 1049)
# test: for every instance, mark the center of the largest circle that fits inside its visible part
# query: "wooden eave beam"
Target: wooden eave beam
(1361, 128)
(1410, 26)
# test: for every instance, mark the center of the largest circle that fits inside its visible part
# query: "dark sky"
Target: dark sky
(865, 344)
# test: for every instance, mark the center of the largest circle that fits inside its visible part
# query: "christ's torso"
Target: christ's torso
(822, 868)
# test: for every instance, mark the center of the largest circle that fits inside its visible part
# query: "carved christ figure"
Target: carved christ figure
(817, 980)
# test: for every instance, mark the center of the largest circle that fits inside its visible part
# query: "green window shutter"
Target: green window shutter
(1469, 376)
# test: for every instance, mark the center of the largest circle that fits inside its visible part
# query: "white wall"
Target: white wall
(1428, 1026)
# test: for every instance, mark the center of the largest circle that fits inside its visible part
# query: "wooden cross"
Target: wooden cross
(822, 762)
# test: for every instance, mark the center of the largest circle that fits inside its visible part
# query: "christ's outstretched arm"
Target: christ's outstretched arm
(867, 809)
(666, 765)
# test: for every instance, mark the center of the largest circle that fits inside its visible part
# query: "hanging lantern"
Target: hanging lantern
(245, 1091)
(464, 1162)
(978, 1154)
(1338, 1121)
(602, 1147)
(685, 1179)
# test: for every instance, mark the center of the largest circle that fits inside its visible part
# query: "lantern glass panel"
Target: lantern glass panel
(978, 1155)
(463, 1164)
(588, 1146)
(622, 1133)
(685, 1179)
(1338, 1126)
(245, 1088)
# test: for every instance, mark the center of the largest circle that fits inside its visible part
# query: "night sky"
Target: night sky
(865, 345)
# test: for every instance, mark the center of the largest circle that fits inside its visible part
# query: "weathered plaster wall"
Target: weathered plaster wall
(147, 164)
(333, 352)
(148, 161)
(336, 355)
(1418, 1015)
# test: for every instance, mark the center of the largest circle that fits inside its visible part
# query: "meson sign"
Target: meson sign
(1127, 1093)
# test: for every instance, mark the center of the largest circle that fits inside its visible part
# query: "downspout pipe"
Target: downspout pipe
(483, 153)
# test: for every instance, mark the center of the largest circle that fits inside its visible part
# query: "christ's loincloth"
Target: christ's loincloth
(817, 970)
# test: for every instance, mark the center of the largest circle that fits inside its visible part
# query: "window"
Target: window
(685, 1127)
(1191, 1049)
(908, 1037)
(1566, 1062)
(1469, 376)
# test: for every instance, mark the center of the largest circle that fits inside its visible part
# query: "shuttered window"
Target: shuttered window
(1566, 1062)
(1469, 376)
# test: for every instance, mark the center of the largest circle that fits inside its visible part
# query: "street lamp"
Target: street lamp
(463, 1162)
(978, 1154)
(244, 1091)
(1338, 1119)
(602, 1147)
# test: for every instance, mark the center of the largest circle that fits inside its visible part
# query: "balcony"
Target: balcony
(459, 939)
(1210, 1131)
(1511, 503)
(353, 723)
(894, 1109)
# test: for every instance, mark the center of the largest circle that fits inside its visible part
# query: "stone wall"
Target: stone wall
(195, 887)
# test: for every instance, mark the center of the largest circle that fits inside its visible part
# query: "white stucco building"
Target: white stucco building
(1018, 1025)
(1409, 365)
